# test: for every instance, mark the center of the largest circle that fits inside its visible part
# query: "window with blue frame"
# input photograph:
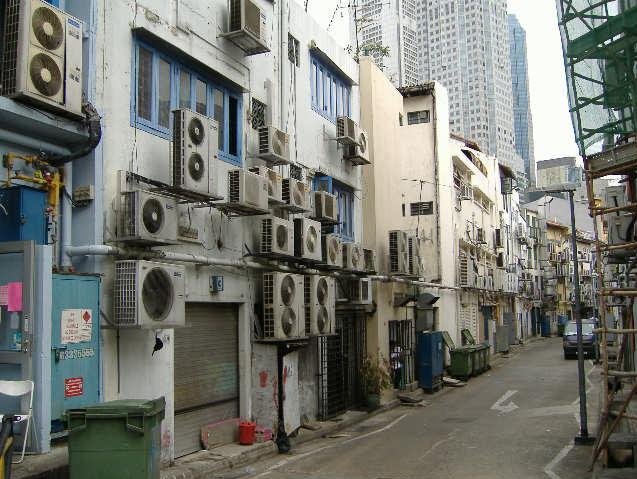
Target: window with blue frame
(330, 92)
(162, 84)
(55, 3)
(345, 199)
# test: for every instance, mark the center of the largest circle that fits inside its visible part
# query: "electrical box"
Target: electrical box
(75, 344)
(23, 214)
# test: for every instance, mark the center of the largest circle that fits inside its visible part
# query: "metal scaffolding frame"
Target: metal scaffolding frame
(599, 42)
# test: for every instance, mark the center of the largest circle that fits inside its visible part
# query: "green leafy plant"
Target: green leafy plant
(375, 375)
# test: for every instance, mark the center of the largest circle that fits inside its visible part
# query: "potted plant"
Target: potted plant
(375, 378)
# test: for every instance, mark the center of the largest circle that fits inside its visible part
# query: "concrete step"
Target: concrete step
(622, 440)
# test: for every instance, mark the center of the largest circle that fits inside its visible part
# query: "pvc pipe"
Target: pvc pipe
(31, 143)
(107, 250)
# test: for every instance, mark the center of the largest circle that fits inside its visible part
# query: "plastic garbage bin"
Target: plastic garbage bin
(116, 439)
(482, 351)
(461, 362)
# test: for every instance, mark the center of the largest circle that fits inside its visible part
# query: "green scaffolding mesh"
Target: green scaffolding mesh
(599, 41)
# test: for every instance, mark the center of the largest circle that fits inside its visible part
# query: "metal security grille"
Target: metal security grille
(307, 296)
(296, 172)
(235, 15)
(268, 309)
(266, 236)
(293, 50)
(206, 374)
(8, 72)
(125, 294)
(340, 358)
(258, 114)
(401, 338)
(234, 186)
(393, 252)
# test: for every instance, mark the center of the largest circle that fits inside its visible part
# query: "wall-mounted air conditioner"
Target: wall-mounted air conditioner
(247, 190)
(353, 257)
(361, 292)
(320, 305)
(276, 237)
(296, 195)
(332, 251)
(398, 252)
(275, 183)
(358, 153)
(42, 56)
(347, 131)
(195, 145)
(274, 146)
(247, 27)
(282, 306)
(370, 261)
(147, 218)
(414, 259)
(325, 207)
(307, 240)
(149, 295)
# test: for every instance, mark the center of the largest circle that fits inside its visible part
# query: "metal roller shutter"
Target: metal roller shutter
(206, 372)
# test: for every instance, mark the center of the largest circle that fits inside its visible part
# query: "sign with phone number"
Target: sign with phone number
(76, 353)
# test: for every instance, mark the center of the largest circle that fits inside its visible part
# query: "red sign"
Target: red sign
(73, 387)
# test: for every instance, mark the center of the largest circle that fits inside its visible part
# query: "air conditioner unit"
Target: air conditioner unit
(320, 305)
(358, 153)
(361, 292)
(296, 195)
(195, 145)
(414, 260)
(147, 218)
(42, 56)
(332, 251)
(398, 252)
(274, 146)
(277, 237)
(247, 190)
(275, 183)
(247, 27)
(149, 295)
(282, 306)
(307, 239)
(347, 131)
(353, 257)
(370, 261)
(325, 207)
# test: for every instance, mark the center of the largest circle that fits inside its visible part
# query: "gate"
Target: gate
(340, 359)
(401, 335)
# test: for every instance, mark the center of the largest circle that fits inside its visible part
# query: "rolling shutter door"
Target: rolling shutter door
(206, 372)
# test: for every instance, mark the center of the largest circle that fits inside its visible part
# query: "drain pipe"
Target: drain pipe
(107, 250)
(66, 219)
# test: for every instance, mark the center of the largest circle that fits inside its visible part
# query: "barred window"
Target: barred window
(421, 208)
(415, 117)
(258, 113)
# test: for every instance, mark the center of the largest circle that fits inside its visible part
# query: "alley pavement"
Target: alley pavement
(516, 421)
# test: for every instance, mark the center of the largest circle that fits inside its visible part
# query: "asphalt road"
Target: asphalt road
(515, 421)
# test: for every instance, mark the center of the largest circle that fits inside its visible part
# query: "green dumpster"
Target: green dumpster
(477, 359)
(461, 362)
(116, 439)
(482, 353)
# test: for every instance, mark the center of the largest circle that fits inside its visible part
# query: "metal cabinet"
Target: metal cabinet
(75, 343)
(429, 360)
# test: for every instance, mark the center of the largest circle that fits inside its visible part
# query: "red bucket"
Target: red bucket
(247, 433)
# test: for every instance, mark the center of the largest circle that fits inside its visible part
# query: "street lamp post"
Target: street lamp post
(583, 438)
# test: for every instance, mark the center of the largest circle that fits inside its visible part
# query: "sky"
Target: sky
(553, 131)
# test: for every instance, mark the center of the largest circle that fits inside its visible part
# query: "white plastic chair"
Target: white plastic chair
(19, 389)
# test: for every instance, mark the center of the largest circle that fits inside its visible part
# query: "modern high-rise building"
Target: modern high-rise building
(463, 45)
(522, 118)
(392, 24)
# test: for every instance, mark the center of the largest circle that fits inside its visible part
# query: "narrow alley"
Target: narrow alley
(519, 420)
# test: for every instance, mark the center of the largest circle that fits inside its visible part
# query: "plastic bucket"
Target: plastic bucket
(247, 433)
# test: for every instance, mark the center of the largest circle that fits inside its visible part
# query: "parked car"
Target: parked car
(589, 339)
